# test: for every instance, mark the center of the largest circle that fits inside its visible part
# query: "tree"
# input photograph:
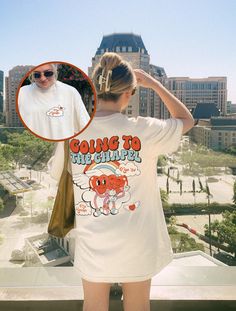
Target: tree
(225, 231)
(167, 186)
(199, 158)
(4, 163)
(172, 221)
(1, 204)
(234, 196)
(194, 186)
(161, 161)
(164, 196)
(181, 187)
(27, 149)
(75, 78)
(182, 242)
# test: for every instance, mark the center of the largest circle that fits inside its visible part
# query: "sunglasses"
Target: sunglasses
(47, 74)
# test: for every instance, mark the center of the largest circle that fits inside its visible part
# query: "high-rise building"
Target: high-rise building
(157, 107)
(228, 106)
(233, 108)
(205, 90)
(11, 85)
(1, 91)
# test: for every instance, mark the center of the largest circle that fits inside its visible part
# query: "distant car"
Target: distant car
(30, 182)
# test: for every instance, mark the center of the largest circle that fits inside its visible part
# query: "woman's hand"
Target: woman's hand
(144, 79)
(176, 108)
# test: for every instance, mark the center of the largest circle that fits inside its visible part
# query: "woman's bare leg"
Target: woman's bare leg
(136, 296)
(96, 296)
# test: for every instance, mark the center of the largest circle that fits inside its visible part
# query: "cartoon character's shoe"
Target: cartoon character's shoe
(97, 213)
(105, 211)
(132, 207)
(114, 211)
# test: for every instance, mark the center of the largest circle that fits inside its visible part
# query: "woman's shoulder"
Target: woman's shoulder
(145, 121)
(25, 94)
(65, 86)
(26, 89)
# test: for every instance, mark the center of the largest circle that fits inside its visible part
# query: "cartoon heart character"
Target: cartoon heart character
(117, 183)
(99, 183)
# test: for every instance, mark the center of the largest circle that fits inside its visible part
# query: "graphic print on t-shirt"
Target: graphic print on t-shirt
(56, 111)
(105, 178)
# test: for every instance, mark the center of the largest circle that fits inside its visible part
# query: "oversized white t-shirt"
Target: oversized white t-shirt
(55, 113)
(121, 234)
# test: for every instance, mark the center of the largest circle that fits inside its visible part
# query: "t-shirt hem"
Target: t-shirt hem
(122, 279)
(115, 279)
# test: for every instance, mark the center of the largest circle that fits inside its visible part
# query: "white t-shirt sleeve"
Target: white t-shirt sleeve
(164, 135)
(56, 163)
(81, 116)
(21, 100)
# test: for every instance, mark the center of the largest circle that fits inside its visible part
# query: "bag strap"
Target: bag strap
(66, 155)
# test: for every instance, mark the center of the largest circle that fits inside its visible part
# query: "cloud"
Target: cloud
(128, 169)
(83, 209)
(56, 112)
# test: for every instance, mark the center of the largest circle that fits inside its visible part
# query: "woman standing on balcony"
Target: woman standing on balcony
(121, 231)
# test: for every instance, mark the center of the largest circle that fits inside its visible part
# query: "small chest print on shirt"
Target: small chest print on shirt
(57, 111)
(104, 180)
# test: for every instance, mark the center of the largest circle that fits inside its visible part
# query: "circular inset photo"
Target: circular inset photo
(56, 101)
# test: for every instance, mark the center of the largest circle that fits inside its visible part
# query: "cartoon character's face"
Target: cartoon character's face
(117, 182)
(99, 183)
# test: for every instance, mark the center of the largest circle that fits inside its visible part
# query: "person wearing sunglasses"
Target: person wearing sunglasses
(120, 225)
(49, 108)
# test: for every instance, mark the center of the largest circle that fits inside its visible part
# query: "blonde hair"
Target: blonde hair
(54, 69)
(112, 77)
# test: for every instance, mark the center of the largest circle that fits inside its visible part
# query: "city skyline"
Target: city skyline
(188, 39)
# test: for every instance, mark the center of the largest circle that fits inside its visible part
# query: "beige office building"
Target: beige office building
(11, 85)
(205, 90)
(218, 133)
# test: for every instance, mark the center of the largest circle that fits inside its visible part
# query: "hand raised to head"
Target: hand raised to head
(143, 78)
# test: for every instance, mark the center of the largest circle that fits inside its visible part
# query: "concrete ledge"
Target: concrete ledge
(173, 289)
(73, 305)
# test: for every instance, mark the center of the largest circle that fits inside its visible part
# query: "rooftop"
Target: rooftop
(219, 121)
(205, 111)
(121, 40)
(12, 183)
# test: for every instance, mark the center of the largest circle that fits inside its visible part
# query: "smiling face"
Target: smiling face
(42, 81)
(99, 183)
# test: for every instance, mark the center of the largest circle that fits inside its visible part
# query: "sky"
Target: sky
(188, 38)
